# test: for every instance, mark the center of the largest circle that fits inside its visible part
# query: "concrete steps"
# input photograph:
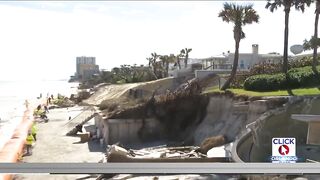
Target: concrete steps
(87, 114)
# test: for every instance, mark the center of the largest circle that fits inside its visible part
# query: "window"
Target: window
(242, 64)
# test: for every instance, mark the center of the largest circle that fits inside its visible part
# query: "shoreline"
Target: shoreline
(20, 130)
(5, 138)
(12, 148)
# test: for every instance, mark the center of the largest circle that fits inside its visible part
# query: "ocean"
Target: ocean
(14, 93)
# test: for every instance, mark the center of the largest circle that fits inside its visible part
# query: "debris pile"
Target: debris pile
(212, 142)
(160, 154)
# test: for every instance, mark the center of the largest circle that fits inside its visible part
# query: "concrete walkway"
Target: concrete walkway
(53, 146)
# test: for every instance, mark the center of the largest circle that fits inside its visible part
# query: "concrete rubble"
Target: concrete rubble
(160, 154)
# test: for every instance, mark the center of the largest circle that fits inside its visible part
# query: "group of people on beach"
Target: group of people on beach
(41, 112)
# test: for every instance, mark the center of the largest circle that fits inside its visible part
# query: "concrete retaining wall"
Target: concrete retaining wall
(229, 117)
(258, 140)
(126, 131)
(203, 73)
(224, 116)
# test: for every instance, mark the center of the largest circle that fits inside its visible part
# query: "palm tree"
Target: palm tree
(314, 42)
(154, 64)
(165, 65)
(150, 61)
(171, 59)
(178, 56)
(185, 52)
(240, 16)
(287, 4)
(315, 36)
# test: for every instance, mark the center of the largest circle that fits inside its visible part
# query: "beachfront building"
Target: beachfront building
(222, 64)
(246, 60)
(192, 65)
(86, 67)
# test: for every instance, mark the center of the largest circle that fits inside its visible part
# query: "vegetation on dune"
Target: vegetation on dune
(296, 92)
(185, 53)
(62, 101)
(264, 68)
(158, 67)
(296, 78)
(159, 64)
(124, 74)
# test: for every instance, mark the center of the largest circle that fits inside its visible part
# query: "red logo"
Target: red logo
(283, 150)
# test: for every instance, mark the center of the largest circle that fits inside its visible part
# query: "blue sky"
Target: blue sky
(40, 40)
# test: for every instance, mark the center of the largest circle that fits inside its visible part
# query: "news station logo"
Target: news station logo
(284, 150)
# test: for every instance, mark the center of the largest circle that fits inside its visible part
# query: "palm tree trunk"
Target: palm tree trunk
(155, 70)
(186, 61)
(286, 36)
(178, 61)
(167, 69)
(315, 49)
(234, 68)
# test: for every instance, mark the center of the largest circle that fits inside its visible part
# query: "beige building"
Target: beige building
(86, 67)
(246, 60)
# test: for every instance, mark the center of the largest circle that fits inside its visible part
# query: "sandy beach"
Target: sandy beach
(53, 146)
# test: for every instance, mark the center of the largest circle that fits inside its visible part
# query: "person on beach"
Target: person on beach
(26, 103)
(34, 131)
(29, 142)
(46, 109)
(39, 107)
(44, 116)
(79, 128)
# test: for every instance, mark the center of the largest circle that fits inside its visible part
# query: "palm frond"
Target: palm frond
(274, 5)
(239, 15)
(317, 6)
(301, 4)
(250, 16)
(306, 45)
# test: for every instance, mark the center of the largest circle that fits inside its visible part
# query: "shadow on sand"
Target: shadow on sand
(93, 145)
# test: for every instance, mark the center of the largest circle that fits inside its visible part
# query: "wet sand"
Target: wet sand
(53, 146)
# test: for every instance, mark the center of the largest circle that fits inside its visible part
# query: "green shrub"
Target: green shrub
(301, 62)
(302, 77)
(265, 82)
(297, 78)
(265, 68)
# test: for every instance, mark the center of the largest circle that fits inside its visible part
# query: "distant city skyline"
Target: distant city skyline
(41, 40)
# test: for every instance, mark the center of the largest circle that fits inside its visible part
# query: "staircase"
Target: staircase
(87, 114)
